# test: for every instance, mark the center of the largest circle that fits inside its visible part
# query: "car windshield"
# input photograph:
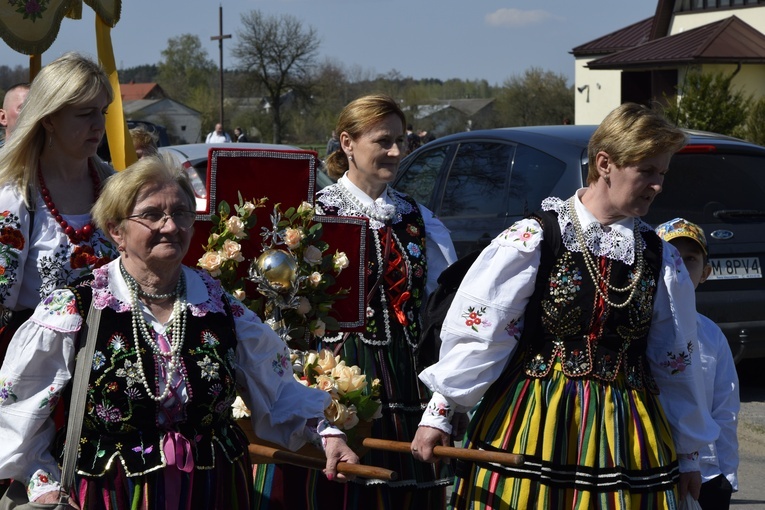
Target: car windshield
(711, 188)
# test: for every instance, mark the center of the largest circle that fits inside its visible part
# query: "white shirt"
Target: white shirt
(214, 137)
(503, 279)
(38, 258)
(722, 392)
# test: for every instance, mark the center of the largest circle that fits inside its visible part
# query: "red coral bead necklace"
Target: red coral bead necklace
(81, 234)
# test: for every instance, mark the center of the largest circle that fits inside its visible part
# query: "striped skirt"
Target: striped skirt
(404, 397)
(586, 443)
(227, 485)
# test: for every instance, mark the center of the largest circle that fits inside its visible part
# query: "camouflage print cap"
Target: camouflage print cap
(679, 227)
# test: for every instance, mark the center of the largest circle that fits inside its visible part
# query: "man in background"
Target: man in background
(9, 114)
(218, 136)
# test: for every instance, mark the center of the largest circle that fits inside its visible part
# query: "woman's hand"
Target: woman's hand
(336, 450)
(425, 440)
(689, 482)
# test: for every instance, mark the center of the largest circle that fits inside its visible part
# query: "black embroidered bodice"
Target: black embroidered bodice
(567, 322)
(122, 424)
(394, 308)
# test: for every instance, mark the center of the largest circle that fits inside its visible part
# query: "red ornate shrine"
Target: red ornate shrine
(287, 177)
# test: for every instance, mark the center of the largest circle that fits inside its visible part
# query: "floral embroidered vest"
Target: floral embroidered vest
(122, 422)
(566, 321)
(394, 308)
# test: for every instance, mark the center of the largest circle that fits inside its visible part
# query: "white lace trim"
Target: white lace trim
(615, 244)
(333, 196)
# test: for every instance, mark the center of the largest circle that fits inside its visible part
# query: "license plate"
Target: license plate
(735, 268)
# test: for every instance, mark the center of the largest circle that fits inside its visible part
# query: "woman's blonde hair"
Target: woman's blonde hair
(120, 192)
(69, 80)
(355, 119)
(631, 133)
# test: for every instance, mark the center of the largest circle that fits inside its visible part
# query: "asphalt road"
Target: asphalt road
(751, 437)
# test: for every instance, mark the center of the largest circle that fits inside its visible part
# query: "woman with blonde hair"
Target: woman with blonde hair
(49, 179)
(575, 329)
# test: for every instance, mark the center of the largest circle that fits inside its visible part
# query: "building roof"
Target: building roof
(132, 91)
(624, 38)
(730, 40)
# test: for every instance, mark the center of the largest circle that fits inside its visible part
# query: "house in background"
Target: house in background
(147, 101)
(648, 60)
(452, 116)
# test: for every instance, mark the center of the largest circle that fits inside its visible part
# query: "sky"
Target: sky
(491, 40)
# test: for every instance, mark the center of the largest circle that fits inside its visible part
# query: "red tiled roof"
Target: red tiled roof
(726, 41)
(624, 38)
(133, 91)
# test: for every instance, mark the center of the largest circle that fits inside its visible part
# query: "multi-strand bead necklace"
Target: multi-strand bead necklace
(141, 329)
(592, 265)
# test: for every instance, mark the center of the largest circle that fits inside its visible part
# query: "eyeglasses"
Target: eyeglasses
(155, 220)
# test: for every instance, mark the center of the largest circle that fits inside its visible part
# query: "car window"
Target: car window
(699, 185)
(420, 177)
(533, 178)
(476, 181)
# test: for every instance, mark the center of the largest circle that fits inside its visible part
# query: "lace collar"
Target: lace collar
(351, 201)
(617, 242)
(203, 293)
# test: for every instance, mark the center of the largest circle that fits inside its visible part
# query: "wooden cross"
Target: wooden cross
(220, 38)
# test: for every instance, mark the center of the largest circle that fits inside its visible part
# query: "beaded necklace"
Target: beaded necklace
(383, 213)
(141, 329)
(81, 234)
(592, 265)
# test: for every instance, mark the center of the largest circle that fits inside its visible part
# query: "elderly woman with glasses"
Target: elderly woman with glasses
(172, 352)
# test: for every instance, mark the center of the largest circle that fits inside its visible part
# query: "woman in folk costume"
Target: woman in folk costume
(576, 330)
(50, 177)
(172, 352)
(407, 250)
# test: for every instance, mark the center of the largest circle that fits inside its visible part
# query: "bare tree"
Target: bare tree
(281, 54)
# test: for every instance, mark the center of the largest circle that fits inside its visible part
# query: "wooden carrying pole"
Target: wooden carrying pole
(263, 454)
(468, 454)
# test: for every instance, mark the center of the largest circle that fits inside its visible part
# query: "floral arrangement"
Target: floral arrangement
(347, 386)
(223, 252)
(293, 275)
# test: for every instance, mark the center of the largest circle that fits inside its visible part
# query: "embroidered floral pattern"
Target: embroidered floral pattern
(6, 391)
(31, 9)
(60, 303)
(108, 414)
(51, 399)
(566, 281)
(412, 230)
(678, 362)
(473, 317)
(209, 368)
(11, 243)
(440, 408)
(209, 338)
(414, 250)
(129, 372)
(99, 360)
(280, 364)
(117, 343)
(522, 233)
(512, 328)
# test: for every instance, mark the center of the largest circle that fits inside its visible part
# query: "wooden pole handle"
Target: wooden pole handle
(265, 454)
(469, 454)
